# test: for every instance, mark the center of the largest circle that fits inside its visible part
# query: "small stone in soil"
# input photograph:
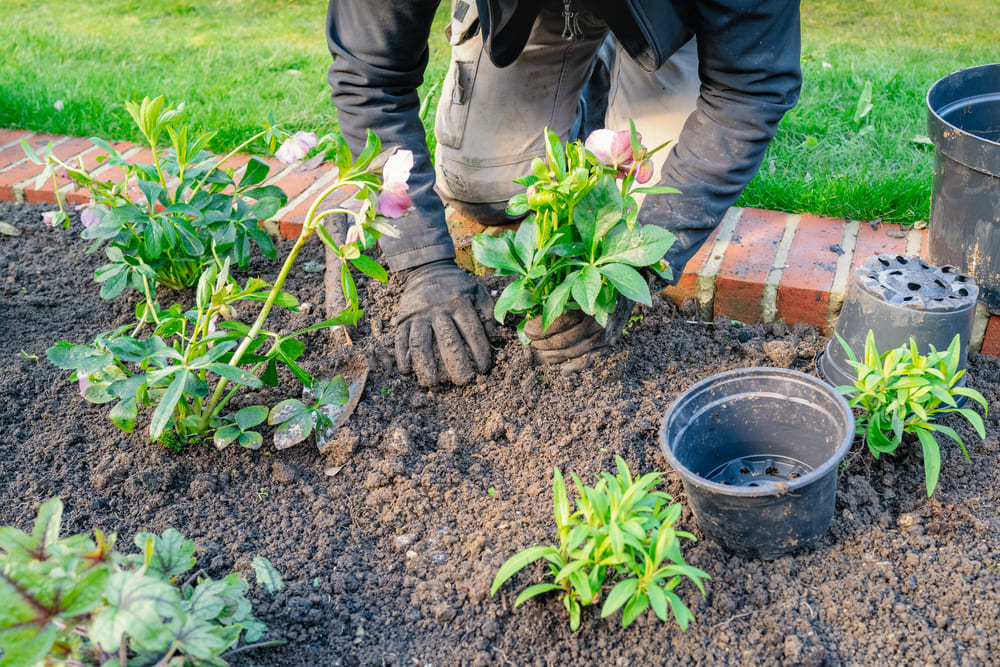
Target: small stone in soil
(284, 473)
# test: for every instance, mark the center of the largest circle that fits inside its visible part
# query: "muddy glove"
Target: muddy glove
(577, 337)
(443, 326)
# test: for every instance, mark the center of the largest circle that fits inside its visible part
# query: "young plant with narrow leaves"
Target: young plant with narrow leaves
(77, 601)
(623, 532)
(901, 391)
(580, 248)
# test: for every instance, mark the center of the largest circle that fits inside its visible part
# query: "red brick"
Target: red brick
(687, 286)
(12, 136)
(924, 235)
(991, 341)
(66, 152)
(739, 285)
(11, 154)
(297, 180)
(804, 290)
(22, 171)
(873, 241)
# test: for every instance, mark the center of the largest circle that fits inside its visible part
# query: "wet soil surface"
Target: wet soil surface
(389, 561)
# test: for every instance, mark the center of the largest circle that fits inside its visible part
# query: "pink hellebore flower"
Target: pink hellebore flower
(49, 218)
(296, 147)
(615, 150)
(394, 202)
(89, 215)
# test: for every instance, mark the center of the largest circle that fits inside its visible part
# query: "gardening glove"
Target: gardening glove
(443, 325)
(335, 302)
(576, 337)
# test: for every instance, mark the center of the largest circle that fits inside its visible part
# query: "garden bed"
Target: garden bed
(389, 560)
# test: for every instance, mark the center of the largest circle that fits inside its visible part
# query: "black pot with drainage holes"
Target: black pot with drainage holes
(899, 298)
(758, 451)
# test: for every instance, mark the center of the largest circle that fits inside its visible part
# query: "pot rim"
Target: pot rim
(765, 489)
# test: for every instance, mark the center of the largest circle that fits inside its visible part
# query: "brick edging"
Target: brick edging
(757, 266)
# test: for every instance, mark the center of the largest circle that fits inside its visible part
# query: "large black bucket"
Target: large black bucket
(963, 121)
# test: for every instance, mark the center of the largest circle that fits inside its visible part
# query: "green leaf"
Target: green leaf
(681, 612)
(267, 575)
(251, 416)
(169, 400)
(237, 375)
(226, 435)
(644, 246)
(599, 211)
(555, 154)
(586, 287)
(255, 172)
(124, 413)
(658, 601)
(497, 253)
(295, 429)
(932, 459)
(26, 645)
(627, 281)
(78, 357)
(370, 267)
(532, 591)
(525, 241)
(636, 606)
(265, 207)
(138, 606)
(172, 554)
(518, 562)
(285, 410)
(558, 297)
(511, 296)
(618, 596)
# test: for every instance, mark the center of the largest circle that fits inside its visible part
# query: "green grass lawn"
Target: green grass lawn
(233, 61)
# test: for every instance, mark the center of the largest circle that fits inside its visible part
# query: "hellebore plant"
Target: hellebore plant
(580, 247)
(174, 368)
(76, 601)
(623, 530)
(165, 222)
(902, 391)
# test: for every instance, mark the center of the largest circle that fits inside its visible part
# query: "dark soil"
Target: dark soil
(389, 561)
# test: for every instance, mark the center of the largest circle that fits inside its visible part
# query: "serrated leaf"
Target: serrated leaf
(267, 575)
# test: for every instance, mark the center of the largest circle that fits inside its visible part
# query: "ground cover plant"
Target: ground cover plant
(902, 391)
(854, 147)
(76, 600)
(580, 248)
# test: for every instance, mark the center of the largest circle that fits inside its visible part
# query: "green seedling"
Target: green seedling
(621, 530)
(238, 430)
(901, 391)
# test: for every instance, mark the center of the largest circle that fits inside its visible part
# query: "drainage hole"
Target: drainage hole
(913, 287)
(939, 298)
(897, 272)
(901, 259)
(963, 292)
(745, 470)
(794, 475)
(949, 269)
(752, 484)
(939, 283)
(908, 298)
(883, 262)
(771, 470)
(959, 278)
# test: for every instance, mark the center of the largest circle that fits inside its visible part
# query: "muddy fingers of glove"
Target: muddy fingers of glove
(443, 325)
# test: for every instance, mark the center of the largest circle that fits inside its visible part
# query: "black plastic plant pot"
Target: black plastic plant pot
(963, 121)
(758, 451)
(898, 298)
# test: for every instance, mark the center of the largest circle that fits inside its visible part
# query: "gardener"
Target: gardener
(493, 112)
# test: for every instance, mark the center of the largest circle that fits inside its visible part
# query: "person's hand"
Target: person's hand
(575, 336)
(443, 325)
